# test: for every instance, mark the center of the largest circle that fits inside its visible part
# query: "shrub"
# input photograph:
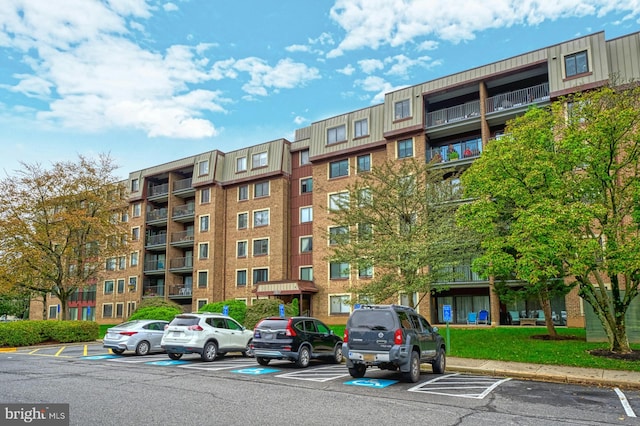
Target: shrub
(268, 308)
(237, 309)
(166, 313)
(27, 333)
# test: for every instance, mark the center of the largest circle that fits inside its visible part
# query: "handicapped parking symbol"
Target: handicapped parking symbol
(167, 362)
(371, 383)
(255, 371)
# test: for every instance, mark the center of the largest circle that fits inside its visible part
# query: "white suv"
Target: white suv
(210, 335)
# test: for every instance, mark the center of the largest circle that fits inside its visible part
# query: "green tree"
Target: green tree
(59, 226)
(557, 198)
(400, 219)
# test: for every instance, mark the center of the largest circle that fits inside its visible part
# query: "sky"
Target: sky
(153, 81)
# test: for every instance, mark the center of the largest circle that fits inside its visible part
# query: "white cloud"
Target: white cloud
(427, 45)
(170, 7)
(299, 120)
(369, 66)
(378, 86)
(286, 74)
(347, 70)
(297, 48)
(373, 23)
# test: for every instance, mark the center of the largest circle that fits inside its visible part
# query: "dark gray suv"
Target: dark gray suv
(392, 337)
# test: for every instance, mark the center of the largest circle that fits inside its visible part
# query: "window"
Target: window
(365, 231)
(306, 214)
(261, 247)
(339, 201)
(202, 302)
(53, 312)
(405, 148)
(111, 264)
(108, 287)
(120, 285)
(259, 160)
(241, 248)
(336, 134)
(119, 309)
(306, 185)
(306, 273)
(339, 168)
(133, 283)
(241, 164)
(205, 195)
(135, 233)
(107, 310)
(241, 278)
(364, 163)
(338, 270)
(242, 220)
(364, 197)
(261, 190)
(260, 275)
(135, 185)
(402, 109)
(203, 167)
(306, 244)
(576, 64)
(243, 192)
(136, 210)
(204, 223)
(361, 128)
(122, 262)
(365, 272)
(203, 249)
(125, 216)
(133, 259)
(338, 235)
(260, 218)
(339, 304)
(304, 157)
(203, 278)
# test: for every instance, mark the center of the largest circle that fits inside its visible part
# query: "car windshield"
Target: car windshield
(184, 321)
(372, 319)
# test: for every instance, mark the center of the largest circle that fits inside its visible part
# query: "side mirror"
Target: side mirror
(435, 329)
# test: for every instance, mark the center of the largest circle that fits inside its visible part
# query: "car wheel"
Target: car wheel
(174, 355)
(413, 375)
(117, 351)
(247, 350)
(143, 348)
(357, 371)
(304, 356)
(438, 365)
(209, 352)
(263, 361)
(337, 354)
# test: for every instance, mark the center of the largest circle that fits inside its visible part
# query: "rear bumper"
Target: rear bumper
(176, 349)
(397, 355)
(274, 354)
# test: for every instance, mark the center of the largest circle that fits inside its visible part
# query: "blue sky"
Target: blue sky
(151, 81)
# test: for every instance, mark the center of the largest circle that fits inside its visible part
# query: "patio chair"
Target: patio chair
(472, 318)
(483, 317)
(515, 317)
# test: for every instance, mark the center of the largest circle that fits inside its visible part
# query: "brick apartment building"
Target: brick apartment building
(253, 223)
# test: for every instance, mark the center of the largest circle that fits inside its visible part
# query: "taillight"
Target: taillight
(346, 336)
(398, 337)
(289, 331)
(195, 328)
(128, 333)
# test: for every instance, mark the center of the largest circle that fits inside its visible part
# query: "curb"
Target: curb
(8, 349)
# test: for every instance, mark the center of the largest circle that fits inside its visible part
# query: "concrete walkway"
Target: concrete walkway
(547, 373)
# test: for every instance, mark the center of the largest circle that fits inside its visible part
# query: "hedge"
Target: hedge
(33, 332)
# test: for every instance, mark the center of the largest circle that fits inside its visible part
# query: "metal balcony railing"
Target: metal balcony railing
(183, 210)
(462, 150)
(182, 236)
(181, 262)
(182, 184)
(156, 190)
(154, 240)
(157, 214)
(518, 98)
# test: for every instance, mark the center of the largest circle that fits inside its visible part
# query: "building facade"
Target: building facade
(253, 223)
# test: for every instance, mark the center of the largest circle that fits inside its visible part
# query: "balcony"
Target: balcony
(182, 239)
(156, 242)
(178, 291)
(157, 216)
(154, 267)
(457, 152)
(182, 188)
(153, 290)
(453, 114)
(158, 192)
(517, 98)
(183, 213)
(181, 264)
(460, 274)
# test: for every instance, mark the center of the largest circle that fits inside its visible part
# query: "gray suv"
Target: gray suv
(392, 337)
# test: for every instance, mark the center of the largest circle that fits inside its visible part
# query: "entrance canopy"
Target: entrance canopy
(277, 288)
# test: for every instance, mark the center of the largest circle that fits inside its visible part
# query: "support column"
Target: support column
(484, 126)
(494, 301)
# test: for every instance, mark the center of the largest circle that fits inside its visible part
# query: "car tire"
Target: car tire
(413, 375)
(117, 351)
(209, 352)
(263, 361)
(304, 357)
(439, 364)
(174, 356)
(357, 371)
(143, 348)
(248, 351)
(337, 354)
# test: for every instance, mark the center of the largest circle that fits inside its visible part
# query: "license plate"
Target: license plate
(368, 357)
(268, 336)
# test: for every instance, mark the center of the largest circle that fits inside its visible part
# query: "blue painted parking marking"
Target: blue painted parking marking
(255, 371)
(101, 357)
(166, 362)
(371, 383)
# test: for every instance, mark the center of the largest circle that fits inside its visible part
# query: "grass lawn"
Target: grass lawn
(516, 344)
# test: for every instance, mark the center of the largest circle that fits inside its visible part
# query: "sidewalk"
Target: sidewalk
(547, 373)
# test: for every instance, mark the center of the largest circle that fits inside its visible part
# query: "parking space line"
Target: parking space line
(321, 374)
(215, 366)
(457, 385)
(625, 403)
(60, 351)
